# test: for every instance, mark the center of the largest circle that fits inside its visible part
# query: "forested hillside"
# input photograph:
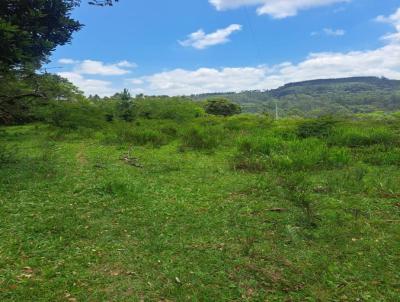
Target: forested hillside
(321, 97)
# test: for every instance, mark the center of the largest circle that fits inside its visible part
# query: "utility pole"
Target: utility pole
(276, 111)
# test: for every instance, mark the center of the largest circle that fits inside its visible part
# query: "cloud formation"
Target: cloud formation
(277, 9)
(81, 69)
(395, 21)
(201, 40)
(383, 61)
(334, 32)
(67, 61)
(89, 86)
(330, 32)
(98, 68)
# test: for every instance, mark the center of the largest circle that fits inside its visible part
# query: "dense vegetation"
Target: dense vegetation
(321, 97)
(177, 205)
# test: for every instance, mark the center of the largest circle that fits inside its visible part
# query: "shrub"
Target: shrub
(178, 109)
(141, 137)
(297, 189)
(201, 138)
(260, 153)
(255, 163)
(247, 122)
(258, 145)
(378, 155)
(221, 106)
(360, 137)
(321, 127)
(75, 115)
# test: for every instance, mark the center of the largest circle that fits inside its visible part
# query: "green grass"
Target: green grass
(80, 224)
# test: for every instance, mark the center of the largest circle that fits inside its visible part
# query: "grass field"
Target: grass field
(235, 209)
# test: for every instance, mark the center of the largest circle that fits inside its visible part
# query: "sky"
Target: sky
(181, 47)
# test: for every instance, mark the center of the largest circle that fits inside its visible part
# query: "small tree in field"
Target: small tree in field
(222, 107)
(125, 105)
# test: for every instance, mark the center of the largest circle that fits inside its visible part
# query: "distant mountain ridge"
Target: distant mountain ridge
(367, 80)
(321, 96)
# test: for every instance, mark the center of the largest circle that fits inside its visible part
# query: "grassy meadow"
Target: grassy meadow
(240, 208)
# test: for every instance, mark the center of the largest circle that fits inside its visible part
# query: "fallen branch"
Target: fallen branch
(130, 160)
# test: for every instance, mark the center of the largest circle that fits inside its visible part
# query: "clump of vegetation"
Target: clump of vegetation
(75, 115)
(260, 153)
(321, 127)
(247, 122)
(223, 107)
(164, 108)
(6, 155)
(129, 134)
(298, 190)
(351, 136)
(198, 138)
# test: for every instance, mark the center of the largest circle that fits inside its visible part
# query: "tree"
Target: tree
(125, 95)
(31, 30)
(30, 91)
(125, 105)
(221, 106)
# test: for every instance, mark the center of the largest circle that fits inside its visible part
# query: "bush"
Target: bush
(223, 107)
(261, 153)
(141, 137)
(381, 156)
(321, 127)
(75, 115)
(201, 138)
(178, 109)
(247, 122)
(362, 137)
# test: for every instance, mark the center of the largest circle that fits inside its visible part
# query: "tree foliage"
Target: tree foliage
(320, 97)
(31, 30)
(221, 106)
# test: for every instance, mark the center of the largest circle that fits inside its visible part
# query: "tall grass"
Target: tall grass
(201, 138)
(351, 136)
(263, 153)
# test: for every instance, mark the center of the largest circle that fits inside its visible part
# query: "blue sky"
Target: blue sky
(180, 47)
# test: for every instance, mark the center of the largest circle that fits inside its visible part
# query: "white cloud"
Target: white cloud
(383, 61)
(395, 21)
(334, 32)
(66, 61)
(126, 64)
(276, 8)
(89, 86)
(201, 40)
(99, 68)
(80, 69)
(330, 32)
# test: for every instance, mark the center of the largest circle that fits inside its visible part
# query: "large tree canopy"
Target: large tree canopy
(31, 29)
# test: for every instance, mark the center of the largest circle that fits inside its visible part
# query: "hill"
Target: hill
(322, 96)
